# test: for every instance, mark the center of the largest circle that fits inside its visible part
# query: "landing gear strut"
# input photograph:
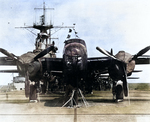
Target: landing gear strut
(73, 100)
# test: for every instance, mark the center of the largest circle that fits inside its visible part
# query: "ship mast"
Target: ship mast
(43, 36)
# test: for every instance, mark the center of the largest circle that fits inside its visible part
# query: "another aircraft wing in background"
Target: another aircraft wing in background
(7, 61)
(144, 59)
(9, 71)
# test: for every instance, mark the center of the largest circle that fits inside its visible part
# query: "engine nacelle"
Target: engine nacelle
(25, 64)
(127, 58)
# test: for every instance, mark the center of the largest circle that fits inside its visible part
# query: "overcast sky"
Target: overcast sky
(117, 24)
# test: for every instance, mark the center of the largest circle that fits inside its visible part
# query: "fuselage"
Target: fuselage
(75, 59)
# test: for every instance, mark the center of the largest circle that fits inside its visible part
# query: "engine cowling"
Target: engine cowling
(25, 64)
(127, 58)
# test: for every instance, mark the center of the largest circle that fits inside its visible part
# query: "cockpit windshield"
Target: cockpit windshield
(75, 40)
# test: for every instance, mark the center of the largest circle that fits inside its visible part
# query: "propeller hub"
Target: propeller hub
(33, 68)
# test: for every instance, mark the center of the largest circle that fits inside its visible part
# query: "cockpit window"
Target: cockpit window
(75, 40)
(72, 51)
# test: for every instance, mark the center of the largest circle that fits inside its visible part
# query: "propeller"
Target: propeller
(124, 77)
(44, 52)
(141, 52)
(8, 54)
(111, 51)
(28, 65)
(125, 84)
(105, 52)
(124, 74)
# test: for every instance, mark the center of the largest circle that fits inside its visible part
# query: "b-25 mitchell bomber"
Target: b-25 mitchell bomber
(75, 68)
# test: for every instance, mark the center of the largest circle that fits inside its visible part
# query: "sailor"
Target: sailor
(38, 43)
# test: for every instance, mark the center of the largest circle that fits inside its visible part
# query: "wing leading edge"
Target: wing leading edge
(145, 59)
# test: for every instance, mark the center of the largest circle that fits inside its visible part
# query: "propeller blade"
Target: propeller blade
(44, 52)
(125, 84)
(141, 52)
(27, 85)
(111, 51)
(5, 52)
(105, 52)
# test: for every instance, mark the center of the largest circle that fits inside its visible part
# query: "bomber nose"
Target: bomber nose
(74, 62)
(69, 63)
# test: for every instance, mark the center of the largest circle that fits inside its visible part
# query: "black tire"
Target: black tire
(119, 92)
(33, 95)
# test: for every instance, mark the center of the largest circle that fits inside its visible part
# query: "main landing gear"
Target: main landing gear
(118, 91)
(34, 92)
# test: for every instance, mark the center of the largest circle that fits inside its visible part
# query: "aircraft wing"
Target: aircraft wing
(99, 63)
(9, 71)
(55, 65)
(145, 59)
(52, 64)
(7, 61)
(107, 75)
(102, 63)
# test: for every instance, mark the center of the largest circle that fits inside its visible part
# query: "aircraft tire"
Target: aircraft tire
(119, 92)
(33, 94)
